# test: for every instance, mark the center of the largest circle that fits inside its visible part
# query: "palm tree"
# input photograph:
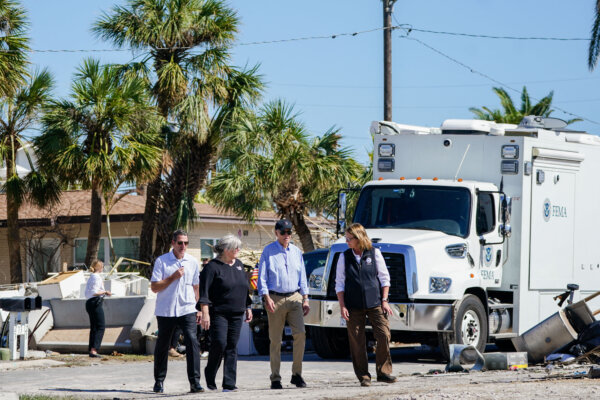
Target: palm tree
(269, 160)
(19, 112)
(14, 45)
(184, 45)
(594, 49)
(103, 131)
(510, 114)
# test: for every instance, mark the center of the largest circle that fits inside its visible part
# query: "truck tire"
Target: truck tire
(262, 343)
(330, 342)
(470, 326)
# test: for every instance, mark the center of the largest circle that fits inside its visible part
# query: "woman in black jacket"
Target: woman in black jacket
(225, 304)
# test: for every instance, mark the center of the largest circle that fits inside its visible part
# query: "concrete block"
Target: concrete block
(118, 311)
(63, 285)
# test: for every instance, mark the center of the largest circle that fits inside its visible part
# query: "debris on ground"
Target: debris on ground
(461, 355)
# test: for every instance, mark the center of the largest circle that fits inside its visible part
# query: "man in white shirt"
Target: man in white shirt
(175, 279)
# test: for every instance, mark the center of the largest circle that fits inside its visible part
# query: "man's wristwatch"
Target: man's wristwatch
(386, 300)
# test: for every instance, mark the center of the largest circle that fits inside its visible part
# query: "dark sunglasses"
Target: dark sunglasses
(286, 232)
(182, 242)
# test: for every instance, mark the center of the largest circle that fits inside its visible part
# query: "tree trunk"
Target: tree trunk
(187, 177)
(113, 255)
(149, 220)
(302, 230)
(12, 224)
(95, 230)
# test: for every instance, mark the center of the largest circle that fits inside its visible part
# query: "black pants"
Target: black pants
(93, 306)
(225, 331)
(166, 326)
(175, 337)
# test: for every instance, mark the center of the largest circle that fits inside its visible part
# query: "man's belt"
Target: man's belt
(282, 294)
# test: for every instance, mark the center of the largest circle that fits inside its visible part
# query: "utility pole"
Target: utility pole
(388, 5)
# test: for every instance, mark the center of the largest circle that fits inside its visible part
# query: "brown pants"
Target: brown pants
(358, 351)
(290, 309)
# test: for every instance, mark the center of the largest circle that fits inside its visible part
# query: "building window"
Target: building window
(127, 247)
(80, 249)
(206, 248)
(124, 247)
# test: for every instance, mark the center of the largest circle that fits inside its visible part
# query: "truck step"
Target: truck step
(496, 306)
(503, 335)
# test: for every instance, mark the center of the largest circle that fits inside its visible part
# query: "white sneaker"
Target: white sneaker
(204, 355)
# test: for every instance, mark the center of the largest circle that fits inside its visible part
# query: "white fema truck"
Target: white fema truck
(481, 225)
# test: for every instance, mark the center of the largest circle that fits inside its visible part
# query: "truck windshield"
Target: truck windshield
(444, 209)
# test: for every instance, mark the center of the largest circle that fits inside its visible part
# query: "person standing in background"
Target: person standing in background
(94, 293)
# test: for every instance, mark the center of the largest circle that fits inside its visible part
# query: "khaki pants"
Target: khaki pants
(358, 351)
(290, 309)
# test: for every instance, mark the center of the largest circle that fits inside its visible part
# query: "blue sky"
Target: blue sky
(339, 82)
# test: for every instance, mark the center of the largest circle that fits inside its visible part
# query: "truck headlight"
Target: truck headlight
(315, 280)
(439, 285)
(457, 250)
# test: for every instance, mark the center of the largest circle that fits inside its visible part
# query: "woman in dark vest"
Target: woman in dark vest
(362, 283)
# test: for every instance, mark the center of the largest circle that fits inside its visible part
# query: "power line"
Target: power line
(309, 85)
(406, 27)
(480, 36)
(304, 38)
(474, 71)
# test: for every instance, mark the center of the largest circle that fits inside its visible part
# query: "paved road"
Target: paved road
(326, 380)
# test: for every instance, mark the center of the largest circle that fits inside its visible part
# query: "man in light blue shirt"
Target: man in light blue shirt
(176, 280)
(282, 285)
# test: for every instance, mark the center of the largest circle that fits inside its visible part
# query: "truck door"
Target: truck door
(552, 218)
(491, 243)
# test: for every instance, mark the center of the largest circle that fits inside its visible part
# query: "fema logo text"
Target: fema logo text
(553, 211)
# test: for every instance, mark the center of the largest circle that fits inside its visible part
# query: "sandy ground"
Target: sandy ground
(115, 378)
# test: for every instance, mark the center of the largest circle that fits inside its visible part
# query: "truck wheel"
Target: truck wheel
(470, 326)
(330, 342)
(262, 344)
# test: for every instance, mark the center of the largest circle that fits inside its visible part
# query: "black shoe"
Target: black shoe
(210, 386)
(158, 387)
(298, 381)
(196, 388)
(230, 388)
(386, 378)
(95, 355)
(276, 385)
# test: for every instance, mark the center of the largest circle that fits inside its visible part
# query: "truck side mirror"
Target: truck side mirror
(342, 203)
(505, 208)
(505, 229)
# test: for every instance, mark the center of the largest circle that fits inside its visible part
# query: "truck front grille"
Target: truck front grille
(395, 264)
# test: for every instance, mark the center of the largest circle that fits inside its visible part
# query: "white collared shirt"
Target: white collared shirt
(179, 297)
(382, 272)
(94, 285)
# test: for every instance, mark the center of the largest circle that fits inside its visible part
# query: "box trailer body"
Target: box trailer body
(474, 211)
